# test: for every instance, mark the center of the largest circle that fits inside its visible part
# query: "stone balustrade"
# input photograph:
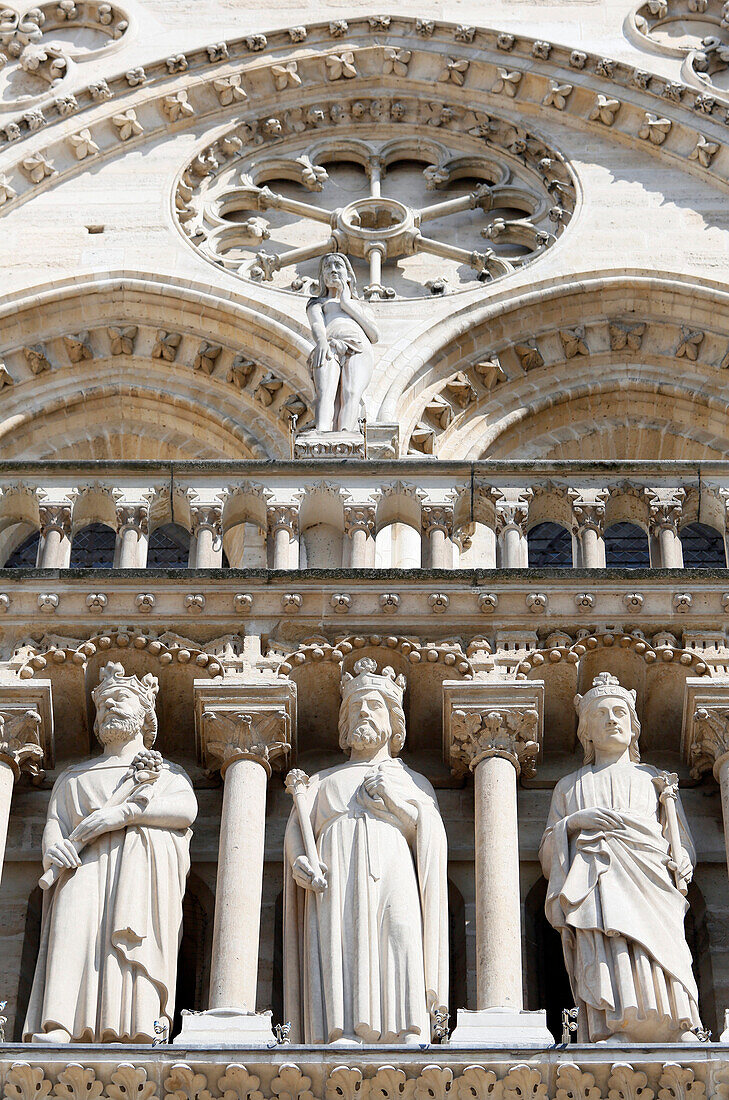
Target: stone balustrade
(373, 513)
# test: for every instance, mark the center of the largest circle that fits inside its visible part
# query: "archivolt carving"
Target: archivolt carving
(31, 658)
(209, 77)
(412, 649)
(695, 30)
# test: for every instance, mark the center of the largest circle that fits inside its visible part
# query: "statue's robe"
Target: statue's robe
(111, 929)
(369, 956)
(613, 898)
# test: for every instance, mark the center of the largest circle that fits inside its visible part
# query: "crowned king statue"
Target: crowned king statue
(365, 891)
(115, 857)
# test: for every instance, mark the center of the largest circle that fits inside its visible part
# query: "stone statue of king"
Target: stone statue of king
(115, 857)
(618, 856)
(365, 886)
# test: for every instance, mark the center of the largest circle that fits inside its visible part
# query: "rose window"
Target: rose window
(415, 217)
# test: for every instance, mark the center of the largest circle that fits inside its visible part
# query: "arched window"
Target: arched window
(93, 547)
(703, 547)
(25, 556)
(626, 547)
(169, 547)
(549, 545)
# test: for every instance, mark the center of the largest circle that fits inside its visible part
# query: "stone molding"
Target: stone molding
(438, 1074)
(501, 718)
(245, 721)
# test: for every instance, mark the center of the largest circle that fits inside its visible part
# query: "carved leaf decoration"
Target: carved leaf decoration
(130, 1082)
(343, 1083)
(434, 1083)
(238, 1084)
(184, 1084)
(391, 1084)
(291, 1084)
(524, 1083)
(25, 1082)
(625, 1083)
(574, 1084)
(679, 1083)
(76, 1082)
(477, 1083)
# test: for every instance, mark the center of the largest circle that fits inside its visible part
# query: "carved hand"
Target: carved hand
(320, 355)
(376, 786)
(61, 854)
(105, 820)
(305, 876)
(587, 820)
(685, 867)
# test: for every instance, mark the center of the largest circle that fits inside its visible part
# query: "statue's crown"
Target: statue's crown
(604, 684)
(366, 677)
(113, 675)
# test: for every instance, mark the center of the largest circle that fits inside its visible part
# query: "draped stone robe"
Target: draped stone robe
(369, 956)
(111, 929)
(613, 898)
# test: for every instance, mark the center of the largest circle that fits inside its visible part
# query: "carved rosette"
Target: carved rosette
(482, 720)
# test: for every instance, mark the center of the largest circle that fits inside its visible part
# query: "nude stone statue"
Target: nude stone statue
(342, 359)
(366, 928)
(116, 857)
(618, 856)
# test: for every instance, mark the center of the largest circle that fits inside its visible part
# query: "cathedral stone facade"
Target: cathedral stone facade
(364, 481)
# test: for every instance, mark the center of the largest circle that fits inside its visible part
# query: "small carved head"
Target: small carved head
(125, 706)
(371, 710)
(607, 712)
(334, 271)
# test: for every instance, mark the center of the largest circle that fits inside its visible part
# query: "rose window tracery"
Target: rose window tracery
(415, 216)
(697, 30)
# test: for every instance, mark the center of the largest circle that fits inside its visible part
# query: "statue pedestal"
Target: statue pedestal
(314, 444)
(226, 1027)
(382, 442)
(501, 1027)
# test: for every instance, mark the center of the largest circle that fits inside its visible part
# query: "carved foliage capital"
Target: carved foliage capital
(359, 517)
(710, 738)
(21, 747)
(260, 735)
(55, 517)
(510, 732)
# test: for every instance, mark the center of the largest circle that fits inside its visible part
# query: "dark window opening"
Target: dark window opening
(703, 547)
(169, 547)
(25, 556)
(93, 547)
(549, 545)
(626, 547)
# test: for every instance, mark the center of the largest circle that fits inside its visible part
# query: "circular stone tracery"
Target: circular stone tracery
(417, 213)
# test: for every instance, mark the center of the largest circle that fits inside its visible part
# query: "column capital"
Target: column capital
(437, 517)
(511, 514)
(589, 515)
(499, 718)
(132, 517)
(283, 517)
(206, 517)
(26, 727)
(245, 722)
(55, 517)
(666, 510)
(359, 517)
(705, 733)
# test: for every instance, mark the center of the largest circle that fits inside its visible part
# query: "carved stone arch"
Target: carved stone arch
(94, 503)
(551, 369)
(627, 502)
(186, 371)
(708, 506)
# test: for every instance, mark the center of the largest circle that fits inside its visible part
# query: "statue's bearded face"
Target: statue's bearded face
(609, 723)
(334, 272)
(119, 715)
(369, 720)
